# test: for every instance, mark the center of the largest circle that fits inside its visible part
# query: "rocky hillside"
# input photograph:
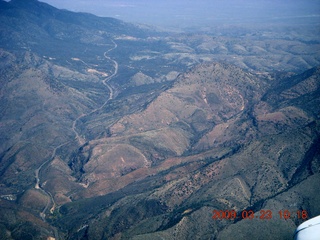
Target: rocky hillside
(110, 130)
(218, 139)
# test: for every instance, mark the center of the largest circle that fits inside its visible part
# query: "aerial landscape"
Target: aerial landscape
(167, 126)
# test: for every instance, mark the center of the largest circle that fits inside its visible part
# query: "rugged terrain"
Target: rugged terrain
(110, 130)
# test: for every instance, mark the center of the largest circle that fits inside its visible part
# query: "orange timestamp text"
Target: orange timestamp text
(263, 214)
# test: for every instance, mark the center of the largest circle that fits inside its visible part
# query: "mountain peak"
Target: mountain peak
(34, 6)
(24, 2)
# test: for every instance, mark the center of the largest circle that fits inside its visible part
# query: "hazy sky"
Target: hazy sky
(193, 12)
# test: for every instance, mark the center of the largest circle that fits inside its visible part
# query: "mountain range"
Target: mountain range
(112, 130)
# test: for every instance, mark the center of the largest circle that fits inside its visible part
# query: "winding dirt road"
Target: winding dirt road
(38, 185)
(80, 140)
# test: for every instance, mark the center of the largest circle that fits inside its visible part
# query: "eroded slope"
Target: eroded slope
(230, 159)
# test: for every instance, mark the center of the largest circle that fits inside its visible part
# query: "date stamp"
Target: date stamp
(263, 214)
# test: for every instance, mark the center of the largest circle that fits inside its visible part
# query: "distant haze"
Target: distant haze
(183, 13)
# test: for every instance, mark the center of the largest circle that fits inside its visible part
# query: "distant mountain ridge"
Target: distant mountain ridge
(40, 23)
